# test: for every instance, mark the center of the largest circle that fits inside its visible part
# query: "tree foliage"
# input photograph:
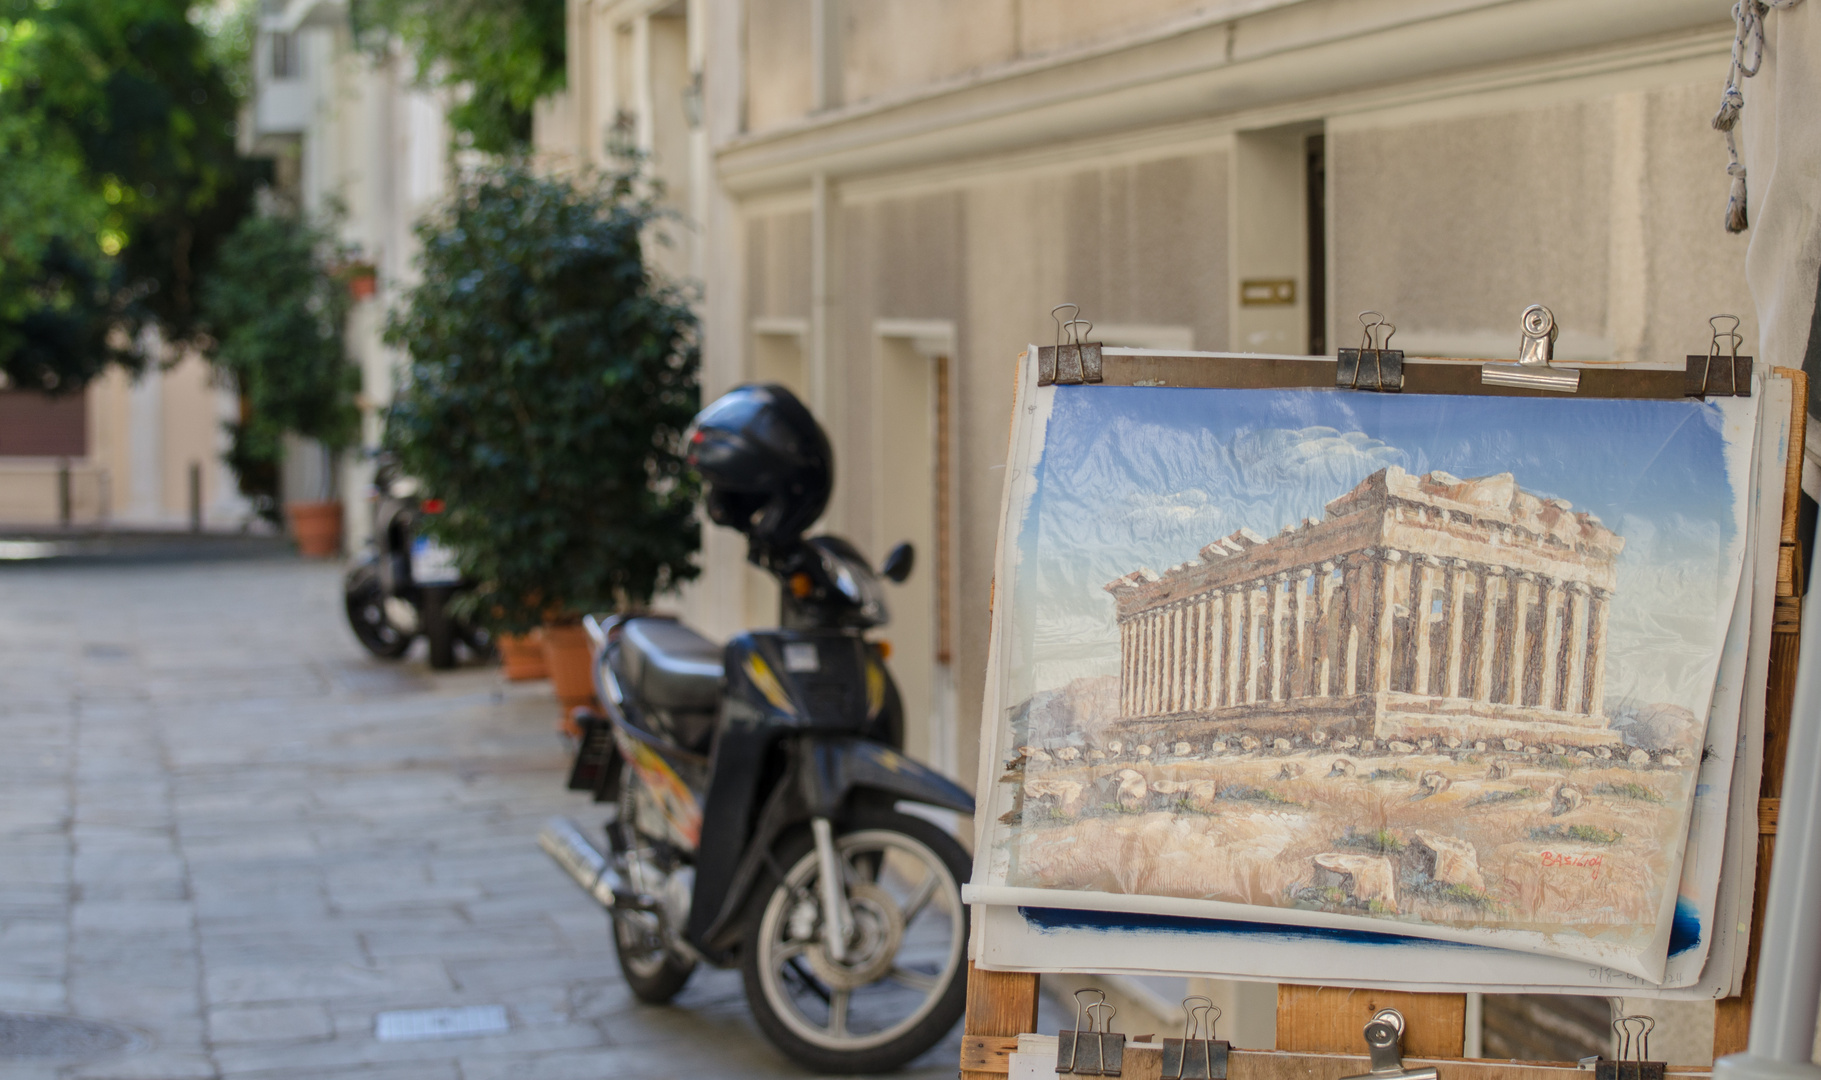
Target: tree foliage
(502, 55)
(277, 308)
(119, 178)
(552, 378)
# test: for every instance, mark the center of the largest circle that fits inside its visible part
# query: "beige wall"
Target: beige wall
(144, 434)
(1603, 208)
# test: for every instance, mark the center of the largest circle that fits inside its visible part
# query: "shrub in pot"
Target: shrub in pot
(277, 312)
(552, 377)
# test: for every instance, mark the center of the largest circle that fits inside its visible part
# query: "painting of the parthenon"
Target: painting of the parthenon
(1418, 606)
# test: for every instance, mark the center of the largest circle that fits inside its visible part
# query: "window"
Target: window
(37, 425)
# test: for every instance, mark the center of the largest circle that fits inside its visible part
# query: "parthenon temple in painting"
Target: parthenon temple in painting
(1419, 606)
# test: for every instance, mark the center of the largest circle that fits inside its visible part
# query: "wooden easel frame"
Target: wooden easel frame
(1318, 1027)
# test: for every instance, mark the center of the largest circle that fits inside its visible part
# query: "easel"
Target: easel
(1319, 1028)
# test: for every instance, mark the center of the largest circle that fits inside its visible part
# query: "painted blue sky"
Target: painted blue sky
(1131, 477)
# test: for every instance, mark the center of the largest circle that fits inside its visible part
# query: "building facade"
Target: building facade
(359, 141)
(1417, 607)
(887, 197)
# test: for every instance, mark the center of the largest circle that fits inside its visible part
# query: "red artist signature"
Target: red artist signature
(1552, 858)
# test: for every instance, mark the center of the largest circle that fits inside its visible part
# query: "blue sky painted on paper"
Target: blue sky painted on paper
(1132, 477)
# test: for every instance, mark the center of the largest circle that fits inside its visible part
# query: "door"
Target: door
(915, 503)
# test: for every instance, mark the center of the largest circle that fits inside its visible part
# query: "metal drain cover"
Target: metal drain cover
(34, 1035)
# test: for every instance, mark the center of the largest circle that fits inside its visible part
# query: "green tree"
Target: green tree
(501, 54)
(552, 378)
(119, 179)
(278, 309)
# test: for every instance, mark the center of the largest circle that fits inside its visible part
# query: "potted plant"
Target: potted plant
(277, 312)
(552, 376)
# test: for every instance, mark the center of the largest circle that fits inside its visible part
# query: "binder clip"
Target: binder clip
(1537, 348)
(1197, 1055)
(1384, 1042)
(1374, 365)
(1094, 1049)
(1714, 375)
(1633, 1052)
(1071, 360)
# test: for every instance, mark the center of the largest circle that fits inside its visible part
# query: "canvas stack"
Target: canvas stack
(1390, 690)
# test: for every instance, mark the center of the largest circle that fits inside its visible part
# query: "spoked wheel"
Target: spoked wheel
(899, 989)
(654, 973)
(365, 603)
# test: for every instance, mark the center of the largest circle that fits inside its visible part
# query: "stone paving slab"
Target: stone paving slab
(226, 828)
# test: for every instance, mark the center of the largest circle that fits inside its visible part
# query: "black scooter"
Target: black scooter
(402, 584)
(767, 817)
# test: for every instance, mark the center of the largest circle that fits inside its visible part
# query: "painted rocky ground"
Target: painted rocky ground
(1528, 837)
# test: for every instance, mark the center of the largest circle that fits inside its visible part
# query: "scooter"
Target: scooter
(402, 585)
(767, 816)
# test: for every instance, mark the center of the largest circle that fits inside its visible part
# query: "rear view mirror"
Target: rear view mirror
(898, 564)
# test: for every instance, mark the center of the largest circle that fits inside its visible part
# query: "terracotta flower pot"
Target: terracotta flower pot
(571, 675)
(522, 656)
(316, 526)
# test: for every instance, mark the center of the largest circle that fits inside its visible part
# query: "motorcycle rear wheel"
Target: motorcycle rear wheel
(653, 972)
(364, 602)
(908, 987)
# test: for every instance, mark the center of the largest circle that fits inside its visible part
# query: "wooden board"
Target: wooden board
(1331, 1019)
(1421, 376)
(1146, 1063)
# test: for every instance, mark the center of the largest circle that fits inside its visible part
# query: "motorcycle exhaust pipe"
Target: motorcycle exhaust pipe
(562, 841)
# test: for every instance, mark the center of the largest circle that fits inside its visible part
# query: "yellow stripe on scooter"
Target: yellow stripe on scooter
(760, 674)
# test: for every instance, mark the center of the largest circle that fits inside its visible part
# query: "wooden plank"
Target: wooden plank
(1422, 375)
(1333, 1019)
(1001, 1003)
(1732, 1016)
(1767, 816)
(987, 1053)
(1266, 1065)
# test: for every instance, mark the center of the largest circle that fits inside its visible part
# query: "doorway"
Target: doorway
(914, 501)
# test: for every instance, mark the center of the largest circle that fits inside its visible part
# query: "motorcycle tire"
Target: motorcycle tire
(653, 973)
(868, 1054)
(364, 601)
(439, 628)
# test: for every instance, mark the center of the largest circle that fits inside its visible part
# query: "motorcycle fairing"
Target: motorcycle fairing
(841, 766)
(848, 705)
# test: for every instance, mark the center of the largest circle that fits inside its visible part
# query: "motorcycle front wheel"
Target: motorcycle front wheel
(900, 988)
(365, 602)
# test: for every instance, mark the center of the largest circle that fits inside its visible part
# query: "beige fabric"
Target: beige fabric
(1783, 161)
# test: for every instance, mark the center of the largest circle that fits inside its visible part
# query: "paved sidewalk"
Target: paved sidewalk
(225, 827)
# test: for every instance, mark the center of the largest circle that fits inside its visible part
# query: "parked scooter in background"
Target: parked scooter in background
(761, 786)
(403, 583)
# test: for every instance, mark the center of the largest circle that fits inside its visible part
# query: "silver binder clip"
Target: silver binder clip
(1198, 1055)
(1384, 1041)
(1073, 359)
(1715, 375)
(1533, 371)
(1374, 365)
(1091, 1048)
(1633, 1052)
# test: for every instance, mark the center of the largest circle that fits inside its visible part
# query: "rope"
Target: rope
(1747, 58)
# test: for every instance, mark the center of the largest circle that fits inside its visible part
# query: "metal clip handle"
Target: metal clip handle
(1384, 1044)
(1374, 365)
(1072, 359)
(1536, 348)
(1717, 375)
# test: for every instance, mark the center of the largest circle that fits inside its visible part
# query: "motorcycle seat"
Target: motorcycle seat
(671, 666)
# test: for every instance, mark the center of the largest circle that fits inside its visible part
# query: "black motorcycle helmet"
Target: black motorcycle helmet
(765, 462)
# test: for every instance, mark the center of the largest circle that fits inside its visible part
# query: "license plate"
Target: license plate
(432, 563)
